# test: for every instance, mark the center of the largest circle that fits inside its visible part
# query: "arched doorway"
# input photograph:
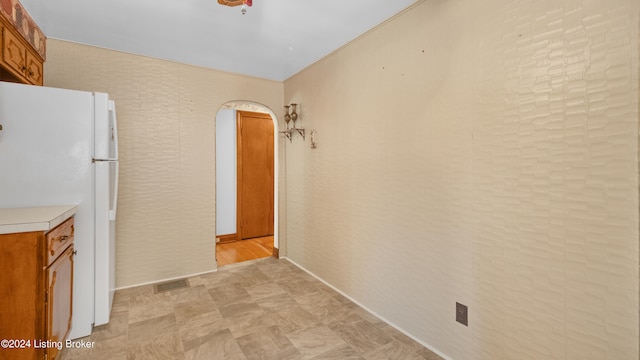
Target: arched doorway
(226, 181)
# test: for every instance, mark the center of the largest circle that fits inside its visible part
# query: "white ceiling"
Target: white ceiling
(274, 39)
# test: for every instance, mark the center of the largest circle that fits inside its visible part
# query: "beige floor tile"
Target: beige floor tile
(249, 320)
(185, 310)
(281, 301)
(329, 310)
(117, 326)
(121, 301)
(190, 294)
(342, 353)
(147, 330)
(218, 278)
(147, 306)
(218, 346)
(126, 294)
(427, 354)
(240, 307)
(201, 325)
(252, 277)
(265, 309)
(161, 347)
(229, 293)
(404, 339)
(268, 343)
(298, 286)
(315, 299)
(392, 350)
(295, 319)
(196, 280)
(316, 341)
(264, 290)
(361, 335)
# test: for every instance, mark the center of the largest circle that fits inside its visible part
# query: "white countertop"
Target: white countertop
(43, 218)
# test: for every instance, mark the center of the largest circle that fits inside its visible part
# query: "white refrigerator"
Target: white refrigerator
(60, 147)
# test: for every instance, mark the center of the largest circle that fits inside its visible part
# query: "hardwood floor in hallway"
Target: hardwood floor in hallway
(244, 250)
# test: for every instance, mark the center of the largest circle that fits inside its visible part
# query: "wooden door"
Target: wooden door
(255, 175)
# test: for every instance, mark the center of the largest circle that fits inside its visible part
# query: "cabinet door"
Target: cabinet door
(14, 53)
(34, 70)
(59, 299)
(21, 293)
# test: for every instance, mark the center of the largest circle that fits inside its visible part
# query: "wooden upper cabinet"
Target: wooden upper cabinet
(19, 61)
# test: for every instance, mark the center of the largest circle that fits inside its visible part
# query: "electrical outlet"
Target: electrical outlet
(462, 314)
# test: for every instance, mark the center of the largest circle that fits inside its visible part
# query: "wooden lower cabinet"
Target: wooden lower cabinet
(36, 284)
(58, 304)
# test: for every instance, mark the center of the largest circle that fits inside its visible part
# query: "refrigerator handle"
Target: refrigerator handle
(112, 212)
(114, 128)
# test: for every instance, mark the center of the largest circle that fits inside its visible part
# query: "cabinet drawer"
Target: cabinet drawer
(59, 239)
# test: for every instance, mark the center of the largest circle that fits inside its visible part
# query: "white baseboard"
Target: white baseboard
(371, 312)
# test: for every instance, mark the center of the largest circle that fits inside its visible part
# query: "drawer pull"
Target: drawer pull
(64, 238)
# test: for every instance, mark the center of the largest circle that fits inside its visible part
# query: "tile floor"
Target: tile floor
(263, 309)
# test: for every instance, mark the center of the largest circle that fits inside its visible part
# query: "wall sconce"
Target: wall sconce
(314, 144)
(288, 117)
(294, 114)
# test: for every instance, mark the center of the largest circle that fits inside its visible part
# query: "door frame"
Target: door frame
(245, 105)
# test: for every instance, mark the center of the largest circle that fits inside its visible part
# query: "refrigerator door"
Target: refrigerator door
(106, 197)
(113, 154)
(106, 128)
(113, 121)
(46, 147)
(106, 178)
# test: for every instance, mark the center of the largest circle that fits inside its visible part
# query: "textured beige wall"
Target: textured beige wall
(485, 153)
(166, 113)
